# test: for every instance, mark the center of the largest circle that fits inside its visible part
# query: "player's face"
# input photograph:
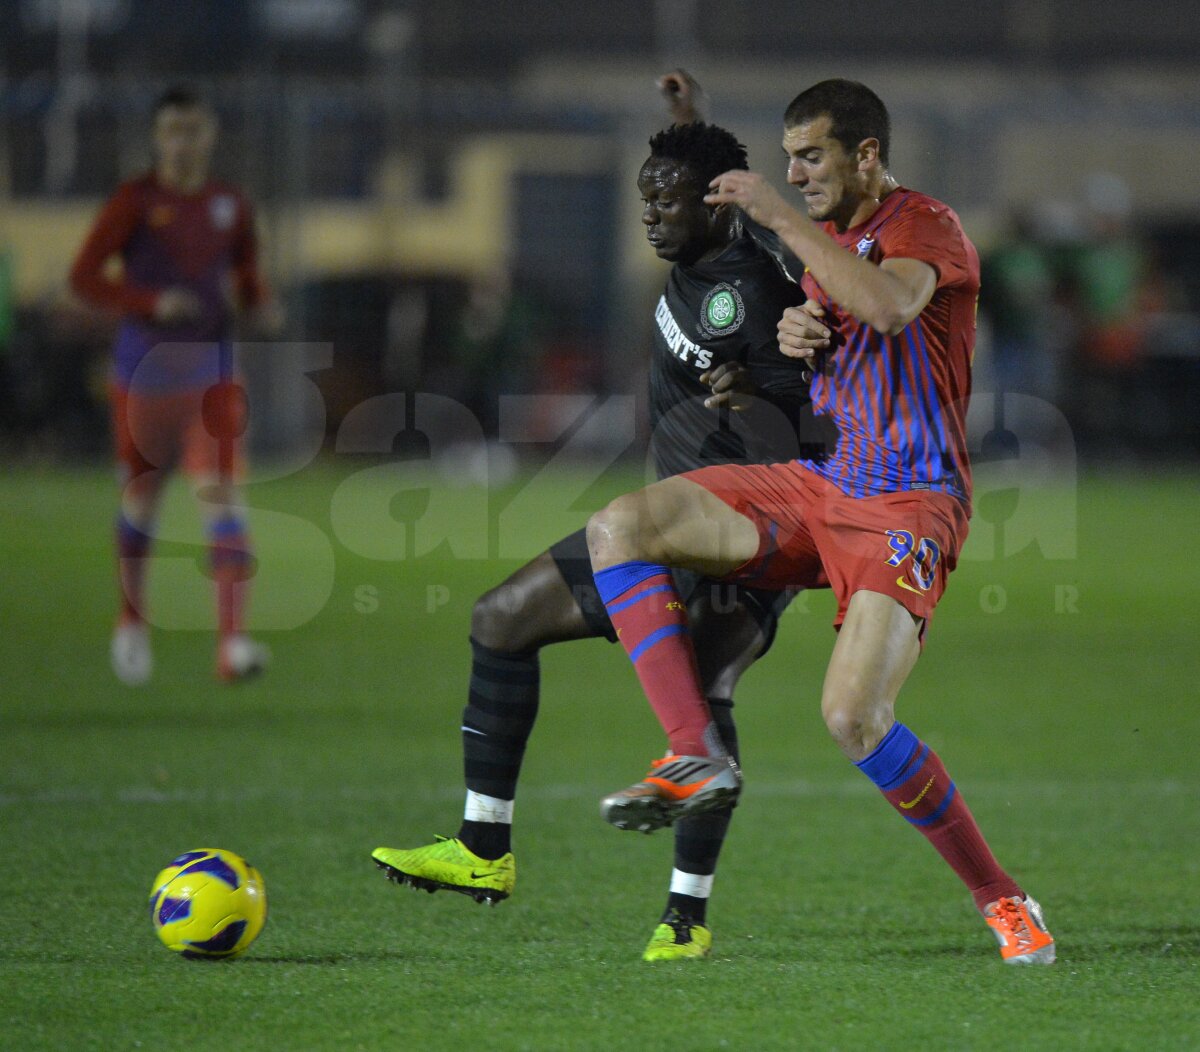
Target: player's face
(184, 137)
(822, 170)
(678, 223)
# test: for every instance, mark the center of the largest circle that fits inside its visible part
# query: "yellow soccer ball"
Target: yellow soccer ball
(208, 904)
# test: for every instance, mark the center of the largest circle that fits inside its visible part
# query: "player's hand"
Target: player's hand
(731, 386)
(802, 334)
(684, 96)
(176, 307)
(752, 194)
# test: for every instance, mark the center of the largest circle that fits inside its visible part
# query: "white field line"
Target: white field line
(798, 789)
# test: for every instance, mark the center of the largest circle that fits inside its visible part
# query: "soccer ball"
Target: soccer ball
(208, 904)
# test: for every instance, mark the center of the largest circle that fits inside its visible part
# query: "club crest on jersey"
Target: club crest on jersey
(222, 209)
(722, 311)
(863, 248)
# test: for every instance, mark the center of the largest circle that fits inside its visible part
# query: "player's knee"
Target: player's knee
(856, 721)
(615, 531)
(139, 501)
(140, 513)
(140, 516)
(851, 731)
(496, 621)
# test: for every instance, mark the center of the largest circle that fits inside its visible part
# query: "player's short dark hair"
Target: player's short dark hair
(704, 149)
(854, 110)
(179, 96)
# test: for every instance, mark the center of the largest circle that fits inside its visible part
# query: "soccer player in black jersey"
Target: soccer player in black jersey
(720, 392)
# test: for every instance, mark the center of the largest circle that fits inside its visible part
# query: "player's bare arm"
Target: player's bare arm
(685, 98)
(886, 296)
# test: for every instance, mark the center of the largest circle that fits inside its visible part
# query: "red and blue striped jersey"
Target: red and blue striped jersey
(203, 242)
(900, 402)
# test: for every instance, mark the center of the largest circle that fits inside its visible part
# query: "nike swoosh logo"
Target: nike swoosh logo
(912, 803)
(904, 584)
(480, 876)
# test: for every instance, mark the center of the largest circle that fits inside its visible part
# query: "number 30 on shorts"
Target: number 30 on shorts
(925, 555)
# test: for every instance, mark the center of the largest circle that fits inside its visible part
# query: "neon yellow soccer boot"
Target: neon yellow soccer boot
(678, 939)
(448, 865)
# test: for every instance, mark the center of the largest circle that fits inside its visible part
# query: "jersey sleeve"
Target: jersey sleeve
(790, 265)
(931, 235)
(776, 415)
(771, 369)
(778, 375)
(252, 291)
(108, 237)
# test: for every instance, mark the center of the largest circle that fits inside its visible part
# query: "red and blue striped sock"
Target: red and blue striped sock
(133, 549)
(651, 623)
(912, 778)
(232, 567)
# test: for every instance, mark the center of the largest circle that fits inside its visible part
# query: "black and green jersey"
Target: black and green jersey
(723, 310)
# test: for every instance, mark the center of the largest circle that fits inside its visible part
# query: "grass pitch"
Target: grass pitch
(1060, 692)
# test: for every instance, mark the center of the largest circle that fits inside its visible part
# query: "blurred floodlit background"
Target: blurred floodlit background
(446, 188)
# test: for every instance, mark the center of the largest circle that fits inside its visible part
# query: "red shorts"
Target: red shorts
(810, 534)
(198, 429)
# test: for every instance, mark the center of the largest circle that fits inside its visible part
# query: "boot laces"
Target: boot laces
(1012, 916)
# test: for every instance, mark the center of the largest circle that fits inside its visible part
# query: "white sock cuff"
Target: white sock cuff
(482, 808)
(697, 885)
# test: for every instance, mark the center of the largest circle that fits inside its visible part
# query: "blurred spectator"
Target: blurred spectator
(1111, 278)
(52, 382)
(495, 349)
(1116, 291)
(1016, 294)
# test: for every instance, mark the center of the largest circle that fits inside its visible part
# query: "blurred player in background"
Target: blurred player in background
(715, 350)
(187, 255)
(889, 325)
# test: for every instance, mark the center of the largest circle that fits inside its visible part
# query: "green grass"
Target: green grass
(1073, 736)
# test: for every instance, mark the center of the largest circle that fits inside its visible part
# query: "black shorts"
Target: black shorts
(571, 557)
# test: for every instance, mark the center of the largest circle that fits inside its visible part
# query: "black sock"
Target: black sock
(501, 709)
(698, 840)
(685, 908)
(487, 839)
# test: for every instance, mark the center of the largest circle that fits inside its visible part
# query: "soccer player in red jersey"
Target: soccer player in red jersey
(187, 250)
(889, 326)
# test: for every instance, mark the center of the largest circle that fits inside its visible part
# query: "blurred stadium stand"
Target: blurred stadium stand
(407, 157)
